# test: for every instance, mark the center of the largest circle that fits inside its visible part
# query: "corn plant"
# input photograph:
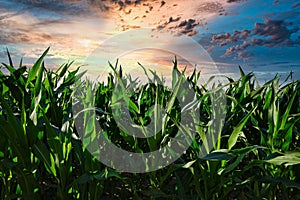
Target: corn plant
(43, 155)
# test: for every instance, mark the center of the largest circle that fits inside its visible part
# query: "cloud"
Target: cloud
(296, 5)
(275, 29)
(234, 1)
(112, 4)
(271, 33)
(66, 25)
(40, 22)
(21, 37)
(26, 25)
(298, 40)
(244, 55)
(187, 27)
(177, 17)
(227, 38)
(25, 29)
(57, 7)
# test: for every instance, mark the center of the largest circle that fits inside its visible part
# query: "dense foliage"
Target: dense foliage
(41, 156)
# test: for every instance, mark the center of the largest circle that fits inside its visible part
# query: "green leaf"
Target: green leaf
(241, 71)
(8, 131)
(9, 58)
(237, 130)
(155, 193)
(34, 113)
(233, 165)
(285, 181)
(189, 164)
(218, 155)
(85, 178)
(287, 159)
(37, 95)
(175, 73)
(246, 150)
(286, 113)
(33, 73)
(41, 151)
(14, 131)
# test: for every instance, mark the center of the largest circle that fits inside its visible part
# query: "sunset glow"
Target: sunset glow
(232, 33)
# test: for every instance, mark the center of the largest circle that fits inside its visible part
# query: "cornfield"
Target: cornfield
(42, 155)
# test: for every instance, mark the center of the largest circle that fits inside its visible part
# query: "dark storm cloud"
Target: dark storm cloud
(271, 33)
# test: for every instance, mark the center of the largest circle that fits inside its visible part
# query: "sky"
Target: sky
(216, 36)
